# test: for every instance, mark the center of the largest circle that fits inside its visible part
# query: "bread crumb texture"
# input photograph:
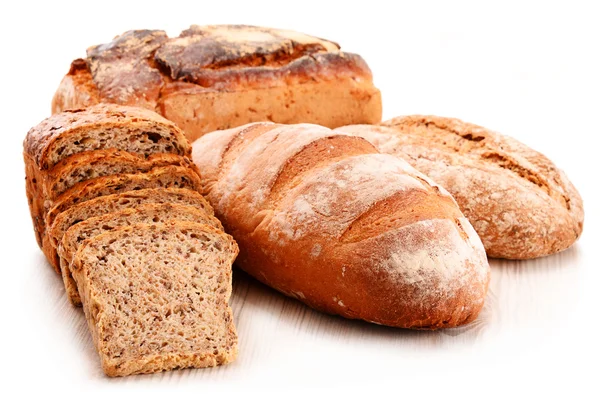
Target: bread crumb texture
(156, 296)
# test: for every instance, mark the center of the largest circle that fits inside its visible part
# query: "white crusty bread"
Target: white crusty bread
(322, 217)
(217, 77)
(146, 213)
(156, 296)
(521, 205)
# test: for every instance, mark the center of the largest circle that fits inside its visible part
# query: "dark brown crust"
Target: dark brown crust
(41, 137)
(303, 70)
(209, 56)
(123, 69)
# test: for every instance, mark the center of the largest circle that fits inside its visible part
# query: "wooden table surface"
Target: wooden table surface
(525, 71)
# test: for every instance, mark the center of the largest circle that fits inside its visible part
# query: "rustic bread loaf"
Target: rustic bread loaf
(519, 203)
(166, 177)
(146, 213)
(104, 126)
(217, 77)
(156, 296)
(322, 217)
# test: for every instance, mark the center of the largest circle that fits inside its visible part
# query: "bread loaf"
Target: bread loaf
(146, 213)
(63, 149)
(519, 203)
(156, 296)
(217, 77)
(322, 217)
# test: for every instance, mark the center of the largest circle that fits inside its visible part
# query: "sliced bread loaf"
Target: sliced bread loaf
(156, 296)
(146, 213)
(100, 127)
(167, 177)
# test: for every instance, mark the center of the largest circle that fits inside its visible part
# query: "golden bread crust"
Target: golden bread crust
(217, 71)
(322, 217)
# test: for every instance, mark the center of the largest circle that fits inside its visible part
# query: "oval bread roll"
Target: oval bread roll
(519, 203)
(323, 217)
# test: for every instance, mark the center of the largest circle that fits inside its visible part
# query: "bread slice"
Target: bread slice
(115, 202)
(169, 176)
(92, 164)
(146, 213)
(101, 127)
(156, 296)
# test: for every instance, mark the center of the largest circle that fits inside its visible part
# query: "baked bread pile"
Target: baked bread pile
(117, 209)
(388, 222)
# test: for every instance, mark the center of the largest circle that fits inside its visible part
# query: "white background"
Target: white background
(526, 69)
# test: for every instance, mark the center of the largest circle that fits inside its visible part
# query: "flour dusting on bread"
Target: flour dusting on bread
(359, 234)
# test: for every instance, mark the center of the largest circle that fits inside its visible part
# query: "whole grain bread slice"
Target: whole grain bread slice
(169, 177)
(100, 163)
(101, 127)
(146, 213)
(115, 202)
(156, 296)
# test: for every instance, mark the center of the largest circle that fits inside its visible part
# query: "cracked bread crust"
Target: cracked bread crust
(123, 71)
(225, 76)
(520, 204)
